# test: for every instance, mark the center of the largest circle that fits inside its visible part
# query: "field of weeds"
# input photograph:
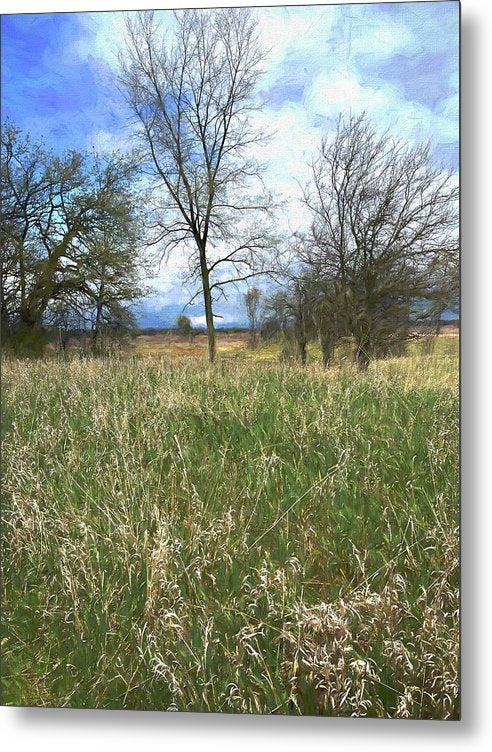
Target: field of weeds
(250, 538)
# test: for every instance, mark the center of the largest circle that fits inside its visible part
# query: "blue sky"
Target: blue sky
(397, 61)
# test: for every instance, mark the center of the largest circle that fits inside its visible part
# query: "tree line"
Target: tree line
(379, 255)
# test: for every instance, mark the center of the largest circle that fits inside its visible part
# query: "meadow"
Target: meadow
(253, 537)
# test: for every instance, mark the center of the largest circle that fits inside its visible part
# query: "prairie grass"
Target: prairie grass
(250, 538)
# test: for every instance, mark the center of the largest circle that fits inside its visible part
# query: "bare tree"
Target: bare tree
(289, 317)
(384, 227)
(252, 301)
(62, 320)
(275, 313)
(192, 96)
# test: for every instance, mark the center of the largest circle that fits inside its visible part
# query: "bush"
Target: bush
(184, 327)
(290, 351)
(27, 344)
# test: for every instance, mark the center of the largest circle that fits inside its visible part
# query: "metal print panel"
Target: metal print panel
(230, 332)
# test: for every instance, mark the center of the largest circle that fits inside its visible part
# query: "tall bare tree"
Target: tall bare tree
(191, 93)
(384, 232)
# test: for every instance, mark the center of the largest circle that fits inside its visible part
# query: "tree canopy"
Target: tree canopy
(69, 232)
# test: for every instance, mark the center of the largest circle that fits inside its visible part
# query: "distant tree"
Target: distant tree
(288, 315)
(63, 321)
(275, 317)
(443, 293)
(300, 311)
(384, 227)
(191, 96)
(252, 301)
(184, 326)
(323, 312)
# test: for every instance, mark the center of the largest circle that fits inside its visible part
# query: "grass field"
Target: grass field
(249, 538)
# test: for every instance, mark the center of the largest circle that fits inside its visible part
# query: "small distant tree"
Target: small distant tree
(62, 321)
(184, 327)
(275, 315)
(252, 300)
(288, 316)
(301, 306)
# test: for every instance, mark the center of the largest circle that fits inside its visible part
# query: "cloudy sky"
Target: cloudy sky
(396, 61)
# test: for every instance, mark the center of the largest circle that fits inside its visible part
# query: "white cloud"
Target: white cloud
(339, 90)
(304, 30)
(101, 141)
(367, 32)
(385, 106)
(198, 320)
(224, 318)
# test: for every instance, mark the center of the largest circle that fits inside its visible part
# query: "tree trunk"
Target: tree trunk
(22, 278)
(364, 335)
(30, 317)
(302, 350)
(327, 348)
(209, 317)
(30, 339)
(97, 323)
(362, 356)
(301, 330)
(302, 340)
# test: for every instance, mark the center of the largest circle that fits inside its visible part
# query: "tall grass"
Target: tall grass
(249, 538)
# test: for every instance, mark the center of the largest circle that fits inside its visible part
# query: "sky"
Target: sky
(396, 61)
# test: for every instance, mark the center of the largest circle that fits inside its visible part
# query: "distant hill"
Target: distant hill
(164, 317)
(151, 315)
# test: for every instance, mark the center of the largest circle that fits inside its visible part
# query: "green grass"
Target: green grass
(149, 560)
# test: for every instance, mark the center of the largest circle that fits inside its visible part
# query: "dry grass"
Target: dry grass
(152, 345)
(150, 561)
